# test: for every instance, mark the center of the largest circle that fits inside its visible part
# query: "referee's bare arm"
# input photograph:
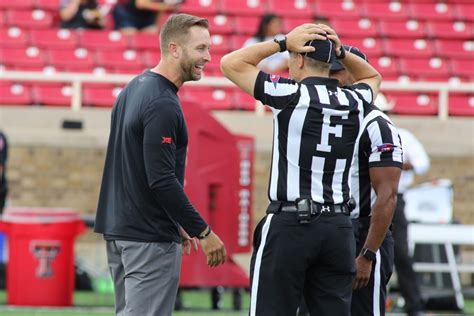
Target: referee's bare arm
(360, 70)
(240, 66)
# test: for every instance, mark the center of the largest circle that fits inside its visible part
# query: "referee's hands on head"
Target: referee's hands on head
(300, 35)
(214, 250)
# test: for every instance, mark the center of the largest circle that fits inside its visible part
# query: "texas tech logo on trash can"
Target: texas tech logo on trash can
(45, 251)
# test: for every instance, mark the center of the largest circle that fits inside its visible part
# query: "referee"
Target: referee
(375, 174)
(305, 244)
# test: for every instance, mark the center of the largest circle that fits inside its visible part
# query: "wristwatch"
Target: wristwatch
(368, 254)
(280, 39)
(342, 54)
(205, 234)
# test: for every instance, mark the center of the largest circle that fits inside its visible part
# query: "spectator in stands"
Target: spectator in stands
(3, 170)
(321, 19)
(81, 14)
(270, 25)
(131, 16)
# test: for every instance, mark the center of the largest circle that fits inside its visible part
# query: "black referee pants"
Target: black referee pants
(407, 278)
(370, 300)
(290, 260)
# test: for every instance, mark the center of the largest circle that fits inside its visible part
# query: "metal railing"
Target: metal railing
(77, 79)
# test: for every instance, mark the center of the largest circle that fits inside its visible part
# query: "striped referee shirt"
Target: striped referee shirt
(315, 127)
(378, 145)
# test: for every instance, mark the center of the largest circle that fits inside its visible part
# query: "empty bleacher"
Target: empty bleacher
(407, 40)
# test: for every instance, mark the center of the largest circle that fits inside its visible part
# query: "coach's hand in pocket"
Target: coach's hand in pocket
(214, 250)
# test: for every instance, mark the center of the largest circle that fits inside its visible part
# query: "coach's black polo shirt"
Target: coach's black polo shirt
(142, 196)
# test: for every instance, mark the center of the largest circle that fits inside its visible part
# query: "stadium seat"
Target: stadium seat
(385, 10)
(56, 95)
(355, 28)
(372, 47)
(14, 94)
(455, 48)
(128, 59)
(243, 101)
(413, 103)
(387, 66)
(221, 24)
(54, 38)
(409, 47)
(102, 40)
(30, 19)
(220, 43)
(13, 37)
(31, 58)
(464, 11)
(246, 25)
(424, 67)
(211, 98)
(337, 9)
(450, 30)
(291, 23)
(402, 29)
(292, 8)
(463, 67)
(151, 58)
(243, 7)
(238, 41)
(75, 60)
(100, 97)
(144, 41)
(17, 4)
(51, 5)
(200, 7)
(214, 65)
(461, 104)
(432, 11)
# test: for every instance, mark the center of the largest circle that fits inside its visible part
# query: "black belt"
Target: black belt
(316, 208)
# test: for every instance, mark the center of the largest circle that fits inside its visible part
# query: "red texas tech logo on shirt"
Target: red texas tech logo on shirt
(166, 140)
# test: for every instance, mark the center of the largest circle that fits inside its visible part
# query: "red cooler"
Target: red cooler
(40, 269)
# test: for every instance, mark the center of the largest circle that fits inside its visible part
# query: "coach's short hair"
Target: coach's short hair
(176, 29)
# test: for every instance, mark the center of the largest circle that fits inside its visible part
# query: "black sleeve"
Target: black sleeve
(3, 149)
(161, 122)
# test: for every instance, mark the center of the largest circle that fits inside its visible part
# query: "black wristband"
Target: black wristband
(342, 55)
(205, 234)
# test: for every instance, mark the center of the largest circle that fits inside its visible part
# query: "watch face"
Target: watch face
(280, 37)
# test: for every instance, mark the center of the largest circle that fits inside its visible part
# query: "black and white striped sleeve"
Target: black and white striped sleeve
(275, 91)
(364, 91)
(385, 145)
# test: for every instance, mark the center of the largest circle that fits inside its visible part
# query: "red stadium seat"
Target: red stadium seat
(337, 9)
(461, 104)
(51, 5)
(75, 60)
(30, 58)
(243, 7)
(200, 7)
(450, 30)
(144, 41)
(214, 65)
(13, 37)
(246, 25)
(385, 10)
(211, 98)
(63, 38)
(100, 97)
(56, 95)
(355, 28)
(243, 101)
(372, 47)
(424, 67)
(220, 43)
(388, 67)
(292, 8)
(30, 19)
(151, 58)
(123, 60)
(402, 29)
(463, 67)
(14, 94)
(413, 103)
(455, 49)
(220, 24)
(432, 11)
(409, 47)
(102, 40)
(17, 4)
(291, 23)
(464, 11)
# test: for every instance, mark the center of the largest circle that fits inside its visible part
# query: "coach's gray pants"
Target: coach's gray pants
(145, 276)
